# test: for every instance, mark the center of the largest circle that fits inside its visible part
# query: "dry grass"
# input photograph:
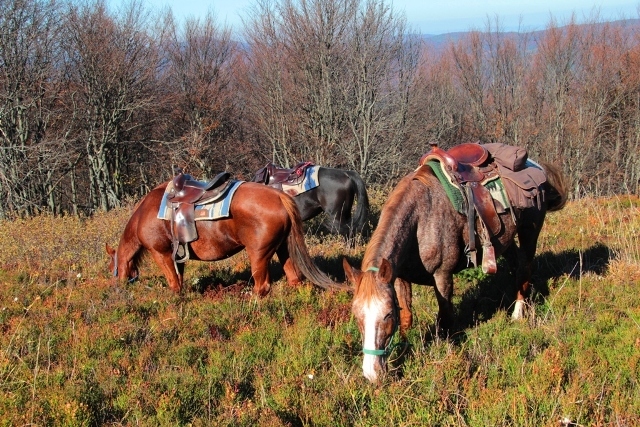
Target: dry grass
(78, 349)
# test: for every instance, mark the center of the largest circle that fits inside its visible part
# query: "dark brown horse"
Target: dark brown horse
(262, 221)
(336, 193)
(421, 238)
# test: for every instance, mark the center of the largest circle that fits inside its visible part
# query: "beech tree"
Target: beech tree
(111, 69)
(198, 76)
(329, 82)
(29, 88)
(95, 106)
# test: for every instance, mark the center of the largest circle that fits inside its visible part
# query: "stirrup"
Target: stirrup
(180, 253)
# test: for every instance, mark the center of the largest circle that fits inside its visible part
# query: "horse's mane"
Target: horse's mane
(389, 211)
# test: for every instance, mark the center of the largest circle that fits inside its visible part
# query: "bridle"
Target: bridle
(385, 352)
(115, 269)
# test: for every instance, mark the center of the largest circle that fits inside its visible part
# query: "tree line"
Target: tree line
(96, 105)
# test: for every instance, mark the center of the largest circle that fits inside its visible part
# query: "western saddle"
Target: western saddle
(469, 165)
(184, 193)
(275, 176)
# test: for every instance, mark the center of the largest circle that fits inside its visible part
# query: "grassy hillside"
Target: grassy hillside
(78, 349)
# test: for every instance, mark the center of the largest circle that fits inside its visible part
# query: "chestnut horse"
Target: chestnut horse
(262, 221)
(421, 238)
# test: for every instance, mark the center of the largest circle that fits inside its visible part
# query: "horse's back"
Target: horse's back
(257, 200)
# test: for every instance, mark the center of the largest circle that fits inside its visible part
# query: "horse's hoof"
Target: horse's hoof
(518, 310)
(263, 291)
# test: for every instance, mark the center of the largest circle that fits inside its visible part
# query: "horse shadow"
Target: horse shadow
(496, 292)
(492, 293)
(219, 280)
(480, 301)
(223, 279)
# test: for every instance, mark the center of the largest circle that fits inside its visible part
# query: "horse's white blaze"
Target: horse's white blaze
(373, 312)
(518, 310)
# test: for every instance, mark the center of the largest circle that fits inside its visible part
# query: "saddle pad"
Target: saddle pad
(309, 182)
(207, 211)
(454, 192)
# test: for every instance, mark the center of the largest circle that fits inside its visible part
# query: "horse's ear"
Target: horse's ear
(353, 274)
(386, 271)
(109, 249)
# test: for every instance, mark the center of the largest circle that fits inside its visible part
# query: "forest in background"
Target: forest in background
(96, 105)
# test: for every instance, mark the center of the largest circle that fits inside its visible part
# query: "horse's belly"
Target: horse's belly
(214, 243)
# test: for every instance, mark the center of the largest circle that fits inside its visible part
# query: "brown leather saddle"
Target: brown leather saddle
(470, 165)
(184, 194)
(275, 176)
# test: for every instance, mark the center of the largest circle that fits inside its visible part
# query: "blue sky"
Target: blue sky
(437, 16)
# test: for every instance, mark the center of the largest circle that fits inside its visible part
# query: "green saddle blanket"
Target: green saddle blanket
(457, 198)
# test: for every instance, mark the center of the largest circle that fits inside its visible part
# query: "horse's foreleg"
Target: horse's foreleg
(444, 291)
(174, 278)
(403, 292)
(523, 275)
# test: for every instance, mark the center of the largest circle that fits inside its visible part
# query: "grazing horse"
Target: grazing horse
(335, 194)
(262, 221)
(421, 239)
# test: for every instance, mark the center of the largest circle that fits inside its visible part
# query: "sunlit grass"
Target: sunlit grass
(78, 349)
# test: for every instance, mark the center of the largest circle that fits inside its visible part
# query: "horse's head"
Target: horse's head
(129, 271)
(375, 307)
(113, 259)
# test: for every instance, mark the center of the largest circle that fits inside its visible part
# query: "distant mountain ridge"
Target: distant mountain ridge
(440, 41)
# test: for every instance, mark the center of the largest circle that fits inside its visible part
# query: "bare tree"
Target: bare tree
(438, 105)
(381, 65)
(472, 73)
(329, 81)
(263, 82)
(200, 58)
(29, 64)
(111, 69)
(296, 57)
(508, 61)
(599, 148)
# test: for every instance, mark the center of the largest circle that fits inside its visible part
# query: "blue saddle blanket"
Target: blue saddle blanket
(207, 211)
(309, 182)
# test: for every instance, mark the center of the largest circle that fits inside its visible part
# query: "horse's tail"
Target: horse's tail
(298, 249)
(557, 189)
(361, 215)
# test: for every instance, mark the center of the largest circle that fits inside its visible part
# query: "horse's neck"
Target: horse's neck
(396, 230)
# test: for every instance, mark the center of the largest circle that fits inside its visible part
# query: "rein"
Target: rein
(385, 352)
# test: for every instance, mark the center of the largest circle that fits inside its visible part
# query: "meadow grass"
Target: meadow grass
(77, 349)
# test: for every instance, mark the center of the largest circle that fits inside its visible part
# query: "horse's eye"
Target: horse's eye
(388, 316)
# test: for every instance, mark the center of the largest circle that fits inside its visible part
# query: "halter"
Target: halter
(390, 345)
(115, 264)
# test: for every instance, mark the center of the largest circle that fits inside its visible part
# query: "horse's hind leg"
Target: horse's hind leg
(259, 260)
(294, 276)
(338, 210)
(528, 239)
